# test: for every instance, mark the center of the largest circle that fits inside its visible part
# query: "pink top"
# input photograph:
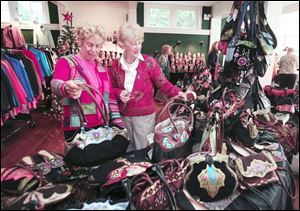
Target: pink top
(148, 75)
(94, 76)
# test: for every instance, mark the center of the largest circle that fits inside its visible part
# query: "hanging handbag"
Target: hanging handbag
(92, 147)
(210, 178)
(245, 129)
(265, 35)
(172, 134)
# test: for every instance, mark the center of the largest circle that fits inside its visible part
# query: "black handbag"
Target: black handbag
(210, 178)
(90, 148)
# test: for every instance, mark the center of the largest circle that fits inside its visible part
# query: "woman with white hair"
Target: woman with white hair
(133, 77)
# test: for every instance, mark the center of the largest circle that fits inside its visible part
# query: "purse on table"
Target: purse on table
(89, 148)
(256, 170)
(171, 136)
(155, 189)
(210, 178)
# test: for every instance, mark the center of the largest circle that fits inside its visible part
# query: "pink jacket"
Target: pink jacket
(18, 37)
(63, 72)
(148, 75)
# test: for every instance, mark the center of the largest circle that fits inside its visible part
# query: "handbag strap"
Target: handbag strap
(291, 195)
(126, 183)
(158, 170)
(104, 114)
(168, 107)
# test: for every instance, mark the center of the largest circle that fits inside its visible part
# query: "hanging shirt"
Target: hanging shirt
(13, 37)
(41, 57)
(32, 56)
(43, 36)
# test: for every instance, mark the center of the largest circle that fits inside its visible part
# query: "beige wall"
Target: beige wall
(108, 14)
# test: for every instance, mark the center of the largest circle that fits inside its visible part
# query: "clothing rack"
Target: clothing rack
(20, 117)
(27, 45)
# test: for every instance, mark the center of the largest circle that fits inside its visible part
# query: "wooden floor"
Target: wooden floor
(47, 135)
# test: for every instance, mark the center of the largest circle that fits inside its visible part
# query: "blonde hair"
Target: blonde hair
(165, 49)
(84, 32)
(130, 32)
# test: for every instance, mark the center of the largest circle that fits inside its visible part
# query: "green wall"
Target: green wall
(154, 41)
(53, 13)
(206, 23)
(140, 13)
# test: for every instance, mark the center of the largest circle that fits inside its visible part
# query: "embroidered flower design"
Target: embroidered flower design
(149, 63)
(137, 95)
(259, 168)
(242, 61)
(236, 55)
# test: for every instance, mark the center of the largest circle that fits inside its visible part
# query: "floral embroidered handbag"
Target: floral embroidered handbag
(108, 142)
(256, 170)
(171, 135)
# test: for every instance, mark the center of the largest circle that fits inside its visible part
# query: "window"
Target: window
(31, 11)
(166, 18)
(159, 17)
(25, 11)
(186, 19)
(5, 14)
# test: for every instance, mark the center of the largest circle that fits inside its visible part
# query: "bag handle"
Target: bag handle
(126, 183)
(158, 170)
(292, 196)
(168, 107)
(88, 88)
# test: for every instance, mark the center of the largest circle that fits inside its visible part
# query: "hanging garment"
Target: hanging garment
(43, 36)
(13, 37)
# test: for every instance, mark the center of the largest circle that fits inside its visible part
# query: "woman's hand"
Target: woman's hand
(125, 96)
(73, 89)
(189, 94)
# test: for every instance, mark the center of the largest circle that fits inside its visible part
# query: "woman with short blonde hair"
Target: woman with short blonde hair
(130, 32)
(89, 30)
(134, 76)
(71, 73)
